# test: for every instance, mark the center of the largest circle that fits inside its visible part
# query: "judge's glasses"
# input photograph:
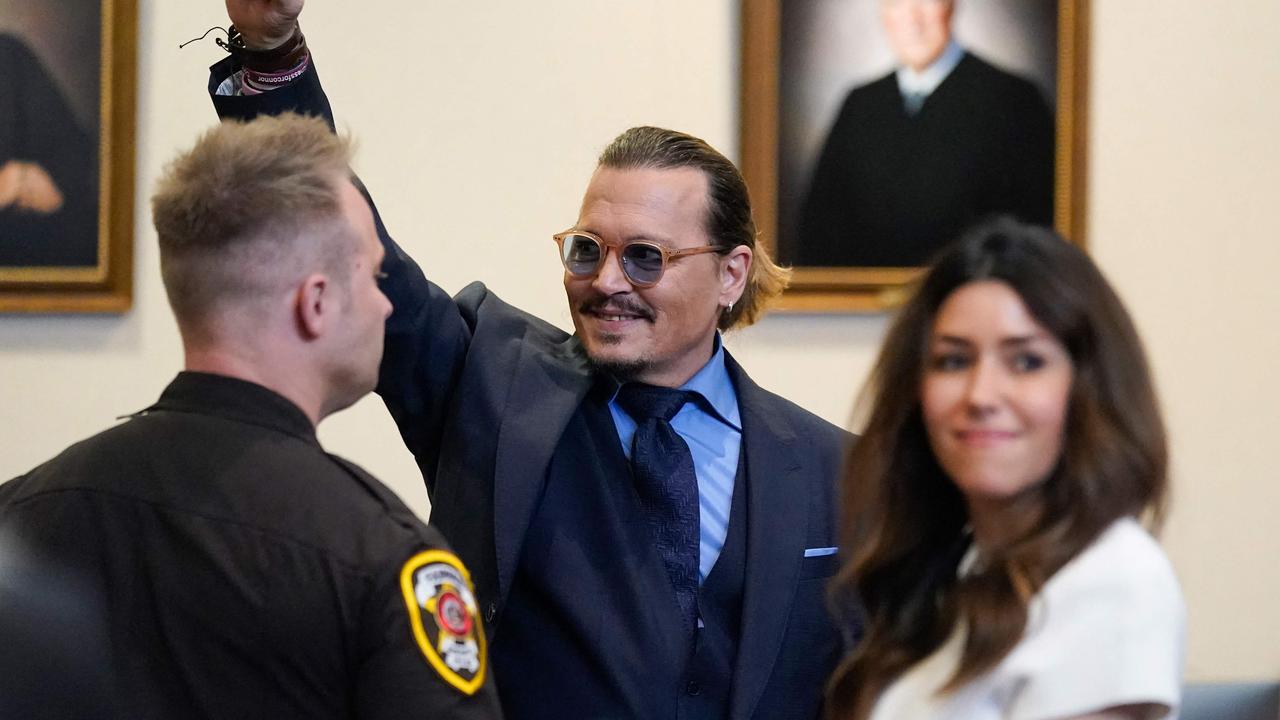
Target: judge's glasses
(643, 262)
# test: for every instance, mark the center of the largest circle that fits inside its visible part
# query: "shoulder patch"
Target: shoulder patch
(445, 618)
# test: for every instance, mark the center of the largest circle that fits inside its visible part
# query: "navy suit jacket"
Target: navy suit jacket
(482, 392)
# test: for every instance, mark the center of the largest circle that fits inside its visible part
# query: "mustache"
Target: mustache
(615, 306)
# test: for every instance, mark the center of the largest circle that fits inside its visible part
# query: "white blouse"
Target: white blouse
(1107, 629)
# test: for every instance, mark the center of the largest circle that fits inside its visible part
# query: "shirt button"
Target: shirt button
(693, 687)
(490, 612)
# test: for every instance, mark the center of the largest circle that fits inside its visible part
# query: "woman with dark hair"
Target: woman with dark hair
(1013, 441)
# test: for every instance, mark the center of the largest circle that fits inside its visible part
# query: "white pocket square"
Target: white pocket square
(819, 552)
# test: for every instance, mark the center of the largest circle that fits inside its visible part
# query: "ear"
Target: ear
(735, 270)
(313, 304)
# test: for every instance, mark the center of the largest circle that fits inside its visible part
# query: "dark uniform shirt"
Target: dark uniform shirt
(208, 559)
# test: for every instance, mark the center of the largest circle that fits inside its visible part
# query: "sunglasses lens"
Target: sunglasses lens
(642, 263)
(581, 254)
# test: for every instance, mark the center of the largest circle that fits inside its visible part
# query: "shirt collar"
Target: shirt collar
(928, 80)
(715, 387)
(223, 396)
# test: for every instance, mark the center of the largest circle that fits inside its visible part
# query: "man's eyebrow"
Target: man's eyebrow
(634, 237)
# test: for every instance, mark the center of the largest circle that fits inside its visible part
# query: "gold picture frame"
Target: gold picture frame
(106, 285)
(848, 288)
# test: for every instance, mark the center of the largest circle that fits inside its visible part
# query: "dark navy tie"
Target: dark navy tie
(668, 488)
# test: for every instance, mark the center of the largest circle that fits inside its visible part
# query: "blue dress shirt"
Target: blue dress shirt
(713, 429)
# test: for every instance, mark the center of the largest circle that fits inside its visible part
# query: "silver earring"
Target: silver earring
(729, 309)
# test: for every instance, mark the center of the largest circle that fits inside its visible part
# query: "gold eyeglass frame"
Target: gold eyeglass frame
(667, 255)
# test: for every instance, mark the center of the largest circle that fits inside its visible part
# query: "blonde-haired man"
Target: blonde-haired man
(234, 568)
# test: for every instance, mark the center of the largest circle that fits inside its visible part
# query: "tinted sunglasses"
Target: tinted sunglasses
(643, 262)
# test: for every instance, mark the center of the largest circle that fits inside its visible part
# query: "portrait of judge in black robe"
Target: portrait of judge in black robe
(48, 164)
(919, 154)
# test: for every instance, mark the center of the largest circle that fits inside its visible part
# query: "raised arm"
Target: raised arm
(264, 27)
(426, 336)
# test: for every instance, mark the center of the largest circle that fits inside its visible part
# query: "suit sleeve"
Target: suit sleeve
(427, 337)
(304, 96)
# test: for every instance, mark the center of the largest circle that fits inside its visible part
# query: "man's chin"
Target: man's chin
(622, 368)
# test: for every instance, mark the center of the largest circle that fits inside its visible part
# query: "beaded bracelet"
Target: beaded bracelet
(287, 56)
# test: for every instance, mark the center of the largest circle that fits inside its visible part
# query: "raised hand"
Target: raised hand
(264, 24)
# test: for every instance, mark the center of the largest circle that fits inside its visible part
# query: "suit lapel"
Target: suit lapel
(776, 527)
(549, 382)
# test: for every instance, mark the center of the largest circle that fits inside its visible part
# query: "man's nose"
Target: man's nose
(610, 279)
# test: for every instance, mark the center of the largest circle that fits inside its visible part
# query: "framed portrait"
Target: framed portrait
(67, 74)
(876, 131)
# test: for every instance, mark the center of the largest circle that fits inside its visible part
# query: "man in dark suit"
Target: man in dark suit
(920, 154)
(632, 561)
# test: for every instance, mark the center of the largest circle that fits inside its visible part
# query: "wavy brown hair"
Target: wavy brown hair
(903, 519)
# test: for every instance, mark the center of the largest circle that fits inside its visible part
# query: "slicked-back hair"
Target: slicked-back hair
(729, 222)
(248, 210)
(903, 518)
